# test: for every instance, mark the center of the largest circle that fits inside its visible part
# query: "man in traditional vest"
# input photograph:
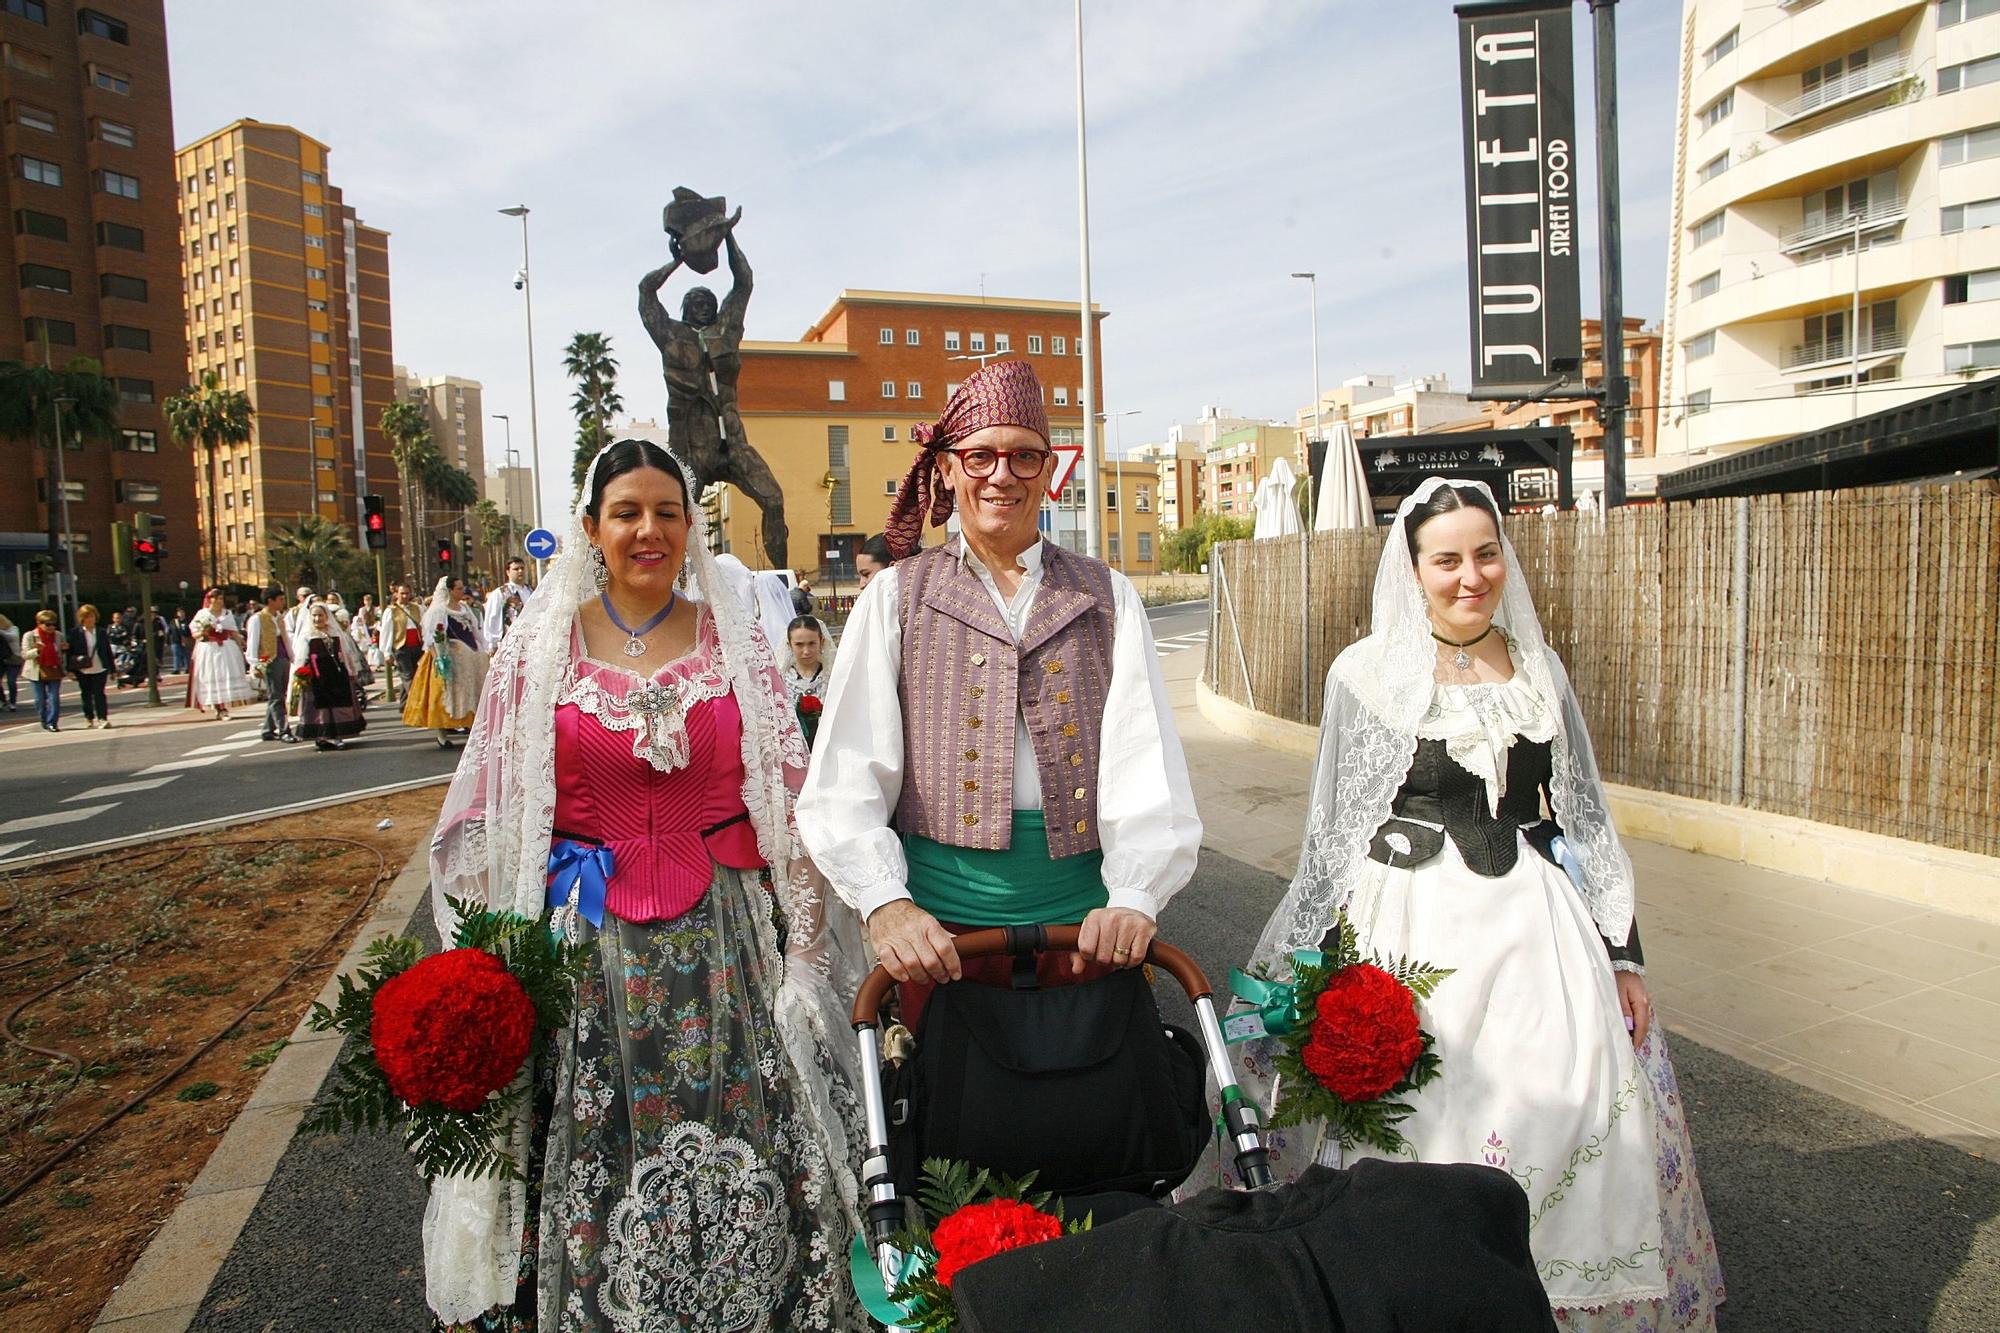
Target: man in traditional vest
(269, 649)
(996, 746)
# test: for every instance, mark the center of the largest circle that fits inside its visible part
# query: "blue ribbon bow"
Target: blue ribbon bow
(1274, 1004)
(582, 868)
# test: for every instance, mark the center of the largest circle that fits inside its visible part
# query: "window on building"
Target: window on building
(229, 200)
(139, 441)
(1110, 499)
(93, 24)
(231, 234)
(1708, 229)
(836, 391)
(314, 303)
(1142, 500)
(1969, 217)
(1971, 74)
(35, 11)
(1697, 348)
(110, 79)
(1712, 168)
(235, 301)
(229, 169)
(312, 210)
(200, 343)
(911, 338)
(978, 342)
(129, 338)
(111, 132)
(236, 333)
(120, 237)
(1971, 146)
(1705, 286)
(42, 277)
(316, 274)
(134, 391)
(887, 337)
(194, 249)
(1953, 12)
(888, 434)
(1718, 111)
(1079, 347)
(239, 367)
(322, 432)
(27, 222)
(318, 336)
(1972, 356)
(1983, 285)
(118, 183)
(1059, 346)
(215, 307)
(949, 390)
(950, 340)
(198, 280)
(1145, 546)
(1034, 344)
(209, 210)
(34, 118)
(889, 484)
(1062, 396)
(1723, 46)
(914, 389)
(36, 170)
(888, 388)
(310, 177)
(28, 62)
(121, 286)
(1002, 343)
(235, 270)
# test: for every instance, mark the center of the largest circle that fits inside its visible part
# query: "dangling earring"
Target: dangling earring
(600, 573)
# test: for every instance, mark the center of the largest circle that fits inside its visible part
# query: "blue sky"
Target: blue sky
(922, 146)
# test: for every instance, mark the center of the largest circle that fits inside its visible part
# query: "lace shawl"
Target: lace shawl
(491, 847)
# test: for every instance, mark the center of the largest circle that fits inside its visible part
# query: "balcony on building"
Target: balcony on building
(1861, 81)
(1831, 225)
(1826, 345)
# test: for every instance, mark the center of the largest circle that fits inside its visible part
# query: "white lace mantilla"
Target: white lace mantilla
(653, 710)
(1479, 724)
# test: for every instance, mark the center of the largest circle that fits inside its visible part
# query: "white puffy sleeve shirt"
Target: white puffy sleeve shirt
(1146, 820)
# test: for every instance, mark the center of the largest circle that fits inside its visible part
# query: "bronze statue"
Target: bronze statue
(701, 355)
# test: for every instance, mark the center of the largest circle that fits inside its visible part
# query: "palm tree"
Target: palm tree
(308, 549)
(492, 527)
(408, 427)
(588, 361)
(452, 488)
(214, 416)
(28, 397)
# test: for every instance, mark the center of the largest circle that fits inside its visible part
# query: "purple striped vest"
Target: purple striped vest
(964, 677)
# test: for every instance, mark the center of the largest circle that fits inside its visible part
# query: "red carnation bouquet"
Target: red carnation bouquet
(979, 1215)
(808, 709)
(1350, 1047)
(440, 1043)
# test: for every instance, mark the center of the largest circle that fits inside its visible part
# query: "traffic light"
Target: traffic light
(154, 526)
(145, 554)
(374, 523)
(445, 560)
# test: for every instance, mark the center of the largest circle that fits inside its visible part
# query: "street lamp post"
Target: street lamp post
(1093, 523)
(528, 301)
(62, 497)
(1306, 519)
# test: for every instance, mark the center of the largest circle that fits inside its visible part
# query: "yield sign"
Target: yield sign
(1067, 457)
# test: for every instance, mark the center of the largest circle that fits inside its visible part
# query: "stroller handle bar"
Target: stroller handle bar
(1030, 939)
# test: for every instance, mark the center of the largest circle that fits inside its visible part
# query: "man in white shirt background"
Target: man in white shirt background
(499, 616)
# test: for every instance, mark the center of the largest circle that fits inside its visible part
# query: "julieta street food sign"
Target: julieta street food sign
(1521, 197)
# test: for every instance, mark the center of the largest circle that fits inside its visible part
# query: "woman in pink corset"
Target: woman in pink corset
(632, 771)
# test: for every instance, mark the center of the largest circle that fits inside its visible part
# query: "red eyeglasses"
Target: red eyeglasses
(1027, 464)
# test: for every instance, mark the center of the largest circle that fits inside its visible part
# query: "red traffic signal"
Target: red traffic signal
(444, 552)
(374, 525)
(145, 555)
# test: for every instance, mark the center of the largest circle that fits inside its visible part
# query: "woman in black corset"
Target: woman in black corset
(1458, 817)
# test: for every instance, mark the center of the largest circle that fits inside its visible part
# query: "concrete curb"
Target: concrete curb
(164, 1289)
(1941, 878)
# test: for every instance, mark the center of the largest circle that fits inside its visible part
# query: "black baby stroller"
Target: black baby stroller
(1083, 1084)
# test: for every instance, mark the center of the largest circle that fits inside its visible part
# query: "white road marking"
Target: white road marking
(6, 847)
(54, 817)
(121, 788)
(255, 732)
(177, 764)
(227, 746)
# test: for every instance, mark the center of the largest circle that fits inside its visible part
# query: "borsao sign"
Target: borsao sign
(1519, 108)
(541, 543)
(1067, 456)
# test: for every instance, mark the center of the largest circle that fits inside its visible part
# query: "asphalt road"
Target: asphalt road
(1828, 1219)
(81, 787)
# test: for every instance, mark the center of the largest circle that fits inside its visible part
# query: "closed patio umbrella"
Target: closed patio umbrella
(1343, 489)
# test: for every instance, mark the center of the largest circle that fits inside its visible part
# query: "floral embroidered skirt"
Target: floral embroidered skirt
(1541, 1080)
(681, 1185)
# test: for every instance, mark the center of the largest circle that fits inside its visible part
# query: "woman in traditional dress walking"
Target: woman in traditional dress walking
(445, 693)
(221, 675)
(633, 765)
(1457, 816)
(327, 664)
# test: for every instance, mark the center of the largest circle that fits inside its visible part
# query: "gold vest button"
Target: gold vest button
(1083, 826)
(1062, 696)
(974, 723)
(1076, 761)
(972, 784)
(1069, 728)
(978, 691)
(979, 659)
(1079, 793)
(972, 756)
(970, 820)
(1053, 668)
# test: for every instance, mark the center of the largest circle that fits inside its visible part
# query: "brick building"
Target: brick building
(287, 299)
(833, 413)
(90, 190)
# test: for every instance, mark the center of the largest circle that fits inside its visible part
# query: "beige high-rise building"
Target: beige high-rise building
(1808, 131)
(456, 416)
(287, 299)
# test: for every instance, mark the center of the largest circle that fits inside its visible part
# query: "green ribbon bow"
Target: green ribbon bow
(868, 1285)
(1274, 1007)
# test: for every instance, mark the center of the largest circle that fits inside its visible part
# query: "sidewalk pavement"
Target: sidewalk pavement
(1887, 1005)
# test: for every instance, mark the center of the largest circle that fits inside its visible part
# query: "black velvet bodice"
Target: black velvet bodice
(1439, 790)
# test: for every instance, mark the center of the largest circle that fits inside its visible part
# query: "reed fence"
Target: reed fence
(1832, 655)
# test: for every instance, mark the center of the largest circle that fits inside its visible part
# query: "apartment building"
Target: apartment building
(287, 299)
(1643, 347)
(90, 189)
(1833, 249)
(457, 416)
(834, 413)
(1177, 478)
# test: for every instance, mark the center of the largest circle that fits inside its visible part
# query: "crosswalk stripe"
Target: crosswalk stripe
(177, 764)
(226, 746)
(53, 818)
(256, 732)
(6, 847)
(121, 788)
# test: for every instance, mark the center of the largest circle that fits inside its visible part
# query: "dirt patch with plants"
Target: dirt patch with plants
(142, 995)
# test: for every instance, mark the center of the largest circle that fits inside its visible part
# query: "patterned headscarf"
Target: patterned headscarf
(1001, 393)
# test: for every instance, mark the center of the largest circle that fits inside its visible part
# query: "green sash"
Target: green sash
(1018, 886)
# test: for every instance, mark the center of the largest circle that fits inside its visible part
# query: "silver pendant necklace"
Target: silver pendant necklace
(634, 638)
(1462, 659)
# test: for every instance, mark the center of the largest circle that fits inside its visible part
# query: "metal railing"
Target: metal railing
(1879, 213)
(1875, 75)
(1839, 348)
